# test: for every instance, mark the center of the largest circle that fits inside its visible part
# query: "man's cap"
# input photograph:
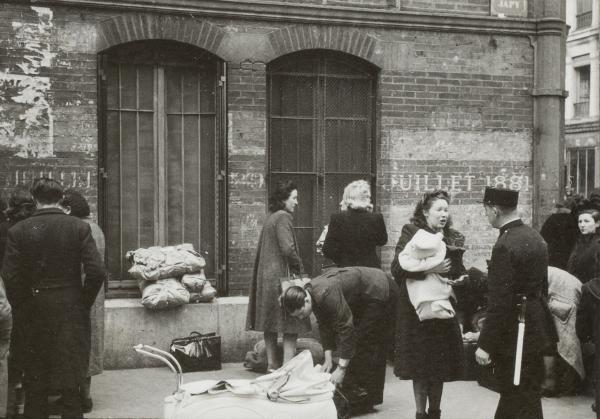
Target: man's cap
(500, 196)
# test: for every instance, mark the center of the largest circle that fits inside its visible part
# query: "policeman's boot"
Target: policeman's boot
(434, 414)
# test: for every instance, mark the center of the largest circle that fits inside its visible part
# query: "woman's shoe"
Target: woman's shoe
(434, 414)
(421, 416)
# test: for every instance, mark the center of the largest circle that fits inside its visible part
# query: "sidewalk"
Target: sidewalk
(139, 393)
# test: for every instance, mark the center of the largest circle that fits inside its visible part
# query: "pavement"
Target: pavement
(139, 393)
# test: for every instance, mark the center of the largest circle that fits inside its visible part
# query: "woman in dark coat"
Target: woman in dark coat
(353, 307)
(584, 262)
(76, 205)
(354, 234)
(430, 351)
(560, 232)
(277, 257)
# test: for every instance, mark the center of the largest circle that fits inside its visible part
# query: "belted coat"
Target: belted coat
(42, 272)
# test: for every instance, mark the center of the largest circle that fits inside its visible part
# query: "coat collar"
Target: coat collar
(45, 211)
(509, 225)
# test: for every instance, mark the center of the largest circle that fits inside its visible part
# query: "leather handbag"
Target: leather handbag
(197, 352)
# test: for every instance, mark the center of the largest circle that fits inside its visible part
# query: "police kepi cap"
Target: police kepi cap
(499, 196)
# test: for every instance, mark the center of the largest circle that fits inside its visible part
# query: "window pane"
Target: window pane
(173, 92)
(347, 146)
(347, 97)
(190, 92)
(573, 169)
(146, 83)
(208, 88)
(128, 86)
(581, 177)
(147, 171)
(191, 179)
(112, 86)
(174, 181)
(591, 168)
(292, 145)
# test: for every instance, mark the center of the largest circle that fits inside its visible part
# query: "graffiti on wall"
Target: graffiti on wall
(251, 180)
(456, 183)
(26, 124)
(70, 178)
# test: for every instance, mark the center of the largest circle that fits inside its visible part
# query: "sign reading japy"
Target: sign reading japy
(514, 8)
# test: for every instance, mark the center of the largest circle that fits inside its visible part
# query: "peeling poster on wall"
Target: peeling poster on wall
(26, 125)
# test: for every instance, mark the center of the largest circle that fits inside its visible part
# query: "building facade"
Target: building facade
(175, 116)
(582, 109)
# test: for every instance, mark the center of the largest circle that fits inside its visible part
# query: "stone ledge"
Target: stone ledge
(128, 323)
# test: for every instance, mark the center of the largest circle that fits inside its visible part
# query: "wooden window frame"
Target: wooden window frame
(127, 288)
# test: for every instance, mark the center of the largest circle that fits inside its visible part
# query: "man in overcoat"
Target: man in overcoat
(518, 268)
(42, 271)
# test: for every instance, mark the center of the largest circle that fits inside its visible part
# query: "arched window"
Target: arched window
(161, 151)
(321, 134)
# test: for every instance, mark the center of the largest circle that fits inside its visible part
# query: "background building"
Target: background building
(582, 111)
(175, 116)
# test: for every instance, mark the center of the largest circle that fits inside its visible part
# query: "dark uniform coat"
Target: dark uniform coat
(277, 257)
(355, 308)
(42, 271)
(519, 266)
(352, 238)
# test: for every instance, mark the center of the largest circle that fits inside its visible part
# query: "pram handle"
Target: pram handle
(165, 357)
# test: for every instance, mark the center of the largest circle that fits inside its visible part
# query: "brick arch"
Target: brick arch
(303, 37)
(138, 27)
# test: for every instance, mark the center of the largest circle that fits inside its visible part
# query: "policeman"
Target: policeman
(518, 268)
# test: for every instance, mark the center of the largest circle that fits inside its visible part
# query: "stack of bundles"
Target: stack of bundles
(170, 276)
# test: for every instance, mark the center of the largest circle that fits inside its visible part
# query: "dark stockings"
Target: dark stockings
(427, 390)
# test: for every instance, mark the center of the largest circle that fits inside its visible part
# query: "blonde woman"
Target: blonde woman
(355, 232)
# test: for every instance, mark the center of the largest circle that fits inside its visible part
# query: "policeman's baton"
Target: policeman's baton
(520, 336)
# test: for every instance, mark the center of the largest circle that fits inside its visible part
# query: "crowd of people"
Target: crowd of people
(424, 312)
(548, 281)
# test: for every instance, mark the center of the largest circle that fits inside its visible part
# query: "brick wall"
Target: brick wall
(454, 110)
(48, 105)
(455, 114)
(246, 84)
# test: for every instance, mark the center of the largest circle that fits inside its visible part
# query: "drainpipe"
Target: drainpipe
(549, 95)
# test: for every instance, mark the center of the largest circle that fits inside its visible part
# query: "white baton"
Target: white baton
(520, 337)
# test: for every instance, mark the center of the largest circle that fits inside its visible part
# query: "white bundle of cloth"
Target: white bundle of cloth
(297, 381)
(430, 296)
(163, 294)
(157, 262)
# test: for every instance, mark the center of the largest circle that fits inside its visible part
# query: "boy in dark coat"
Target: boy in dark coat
(518, 267)
(42, 271)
